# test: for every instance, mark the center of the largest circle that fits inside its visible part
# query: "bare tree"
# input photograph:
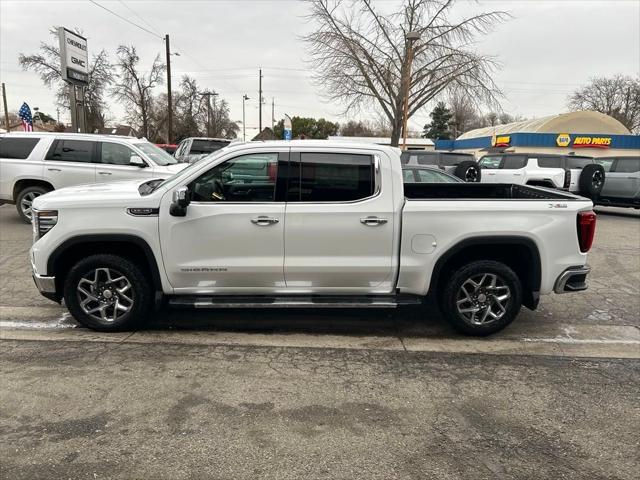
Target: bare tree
(134, 88)
(362, 56)
(46, 63)
(618, 96)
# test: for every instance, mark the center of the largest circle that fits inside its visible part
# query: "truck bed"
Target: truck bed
(482, 191)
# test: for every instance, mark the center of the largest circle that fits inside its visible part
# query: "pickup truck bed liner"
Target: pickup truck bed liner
(481, 191)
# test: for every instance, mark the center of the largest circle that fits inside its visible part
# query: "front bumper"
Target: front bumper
(573, 279)
(46, 286)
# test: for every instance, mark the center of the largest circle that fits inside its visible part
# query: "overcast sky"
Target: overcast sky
(547, 50)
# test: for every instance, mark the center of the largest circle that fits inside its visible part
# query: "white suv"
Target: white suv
(566, 172)
(32, 164)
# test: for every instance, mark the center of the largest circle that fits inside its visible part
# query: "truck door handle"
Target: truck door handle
(104, 173)
(373, 221)
(54, 169)
(264, 221)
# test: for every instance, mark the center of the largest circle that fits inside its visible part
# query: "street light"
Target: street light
(245, 97)
(406, 84)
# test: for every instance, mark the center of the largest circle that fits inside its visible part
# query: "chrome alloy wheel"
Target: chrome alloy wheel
(483, 299)
(471, 175)
(597, 180)
(105, 294)
(26, 202)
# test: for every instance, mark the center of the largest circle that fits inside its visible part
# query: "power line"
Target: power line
(142, 19)
(126, 20)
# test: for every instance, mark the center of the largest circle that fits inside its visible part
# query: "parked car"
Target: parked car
(192, 149)
(419, 174)
(32, 164)
(573, 173)
(462, 165)
(622, 185)
(319, 224)
(167, 147)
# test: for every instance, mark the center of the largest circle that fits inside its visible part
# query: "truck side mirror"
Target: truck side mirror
(180, 202)
(136, 161)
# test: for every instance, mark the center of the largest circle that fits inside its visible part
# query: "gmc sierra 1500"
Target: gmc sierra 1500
(307, 224)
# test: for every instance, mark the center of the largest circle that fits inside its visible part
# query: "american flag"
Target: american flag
(25, 116)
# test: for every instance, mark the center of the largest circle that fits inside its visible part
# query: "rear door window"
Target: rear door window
(72, 151)
(550, 162)
(490, 163)
(606, 163)
(577, 162)
(332, 177)
(451, 160)
(425, 159)
(627, 165)
(17, 148)
(514, 162)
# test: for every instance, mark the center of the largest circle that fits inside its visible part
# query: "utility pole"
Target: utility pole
(406, 84)
(260, 102)
(4, 101)
(207, 95)
(169, 99)
(273, 112)
(245, 97)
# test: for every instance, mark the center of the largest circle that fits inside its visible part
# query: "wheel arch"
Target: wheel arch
(132, 247)
(29, 182)
(519, 253)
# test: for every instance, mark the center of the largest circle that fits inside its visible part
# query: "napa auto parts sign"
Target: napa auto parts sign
(582, 141)
(74, 58)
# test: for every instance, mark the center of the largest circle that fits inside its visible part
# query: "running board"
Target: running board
(206, 302)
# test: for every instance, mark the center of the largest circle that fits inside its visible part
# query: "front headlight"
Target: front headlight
(43, 221)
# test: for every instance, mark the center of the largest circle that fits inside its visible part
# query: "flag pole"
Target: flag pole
(6, 111)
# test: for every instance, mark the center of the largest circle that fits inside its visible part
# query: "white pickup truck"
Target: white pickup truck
(307, 224)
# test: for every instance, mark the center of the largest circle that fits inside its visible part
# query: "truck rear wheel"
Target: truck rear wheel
(482, 297)
(107, 293)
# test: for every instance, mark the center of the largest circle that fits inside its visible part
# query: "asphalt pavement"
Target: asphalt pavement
(336, 394)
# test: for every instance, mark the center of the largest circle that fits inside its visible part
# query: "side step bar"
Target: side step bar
(205, 302)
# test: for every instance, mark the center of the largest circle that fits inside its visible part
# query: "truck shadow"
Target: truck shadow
(407, 321)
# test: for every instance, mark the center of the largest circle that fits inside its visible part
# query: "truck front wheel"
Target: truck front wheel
(107, 293)
(482, 297)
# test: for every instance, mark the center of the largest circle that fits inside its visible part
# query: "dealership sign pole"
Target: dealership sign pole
(74, 66)
(288, 127)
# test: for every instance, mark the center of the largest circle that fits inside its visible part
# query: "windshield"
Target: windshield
(207, 146)
(159, 156)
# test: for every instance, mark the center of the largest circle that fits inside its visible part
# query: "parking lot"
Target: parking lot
(337, 394)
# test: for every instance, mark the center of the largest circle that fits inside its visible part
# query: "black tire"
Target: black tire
(591, 180)
(24, 199)
(141, 293)
(469, 171)
(452, 293)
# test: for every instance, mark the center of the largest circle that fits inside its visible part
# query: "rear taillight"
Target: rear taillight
(567, 178)
(586, 230)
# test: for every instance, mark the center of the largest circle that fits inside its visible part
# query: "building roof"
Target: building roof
(585, 121)
(382, 140)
